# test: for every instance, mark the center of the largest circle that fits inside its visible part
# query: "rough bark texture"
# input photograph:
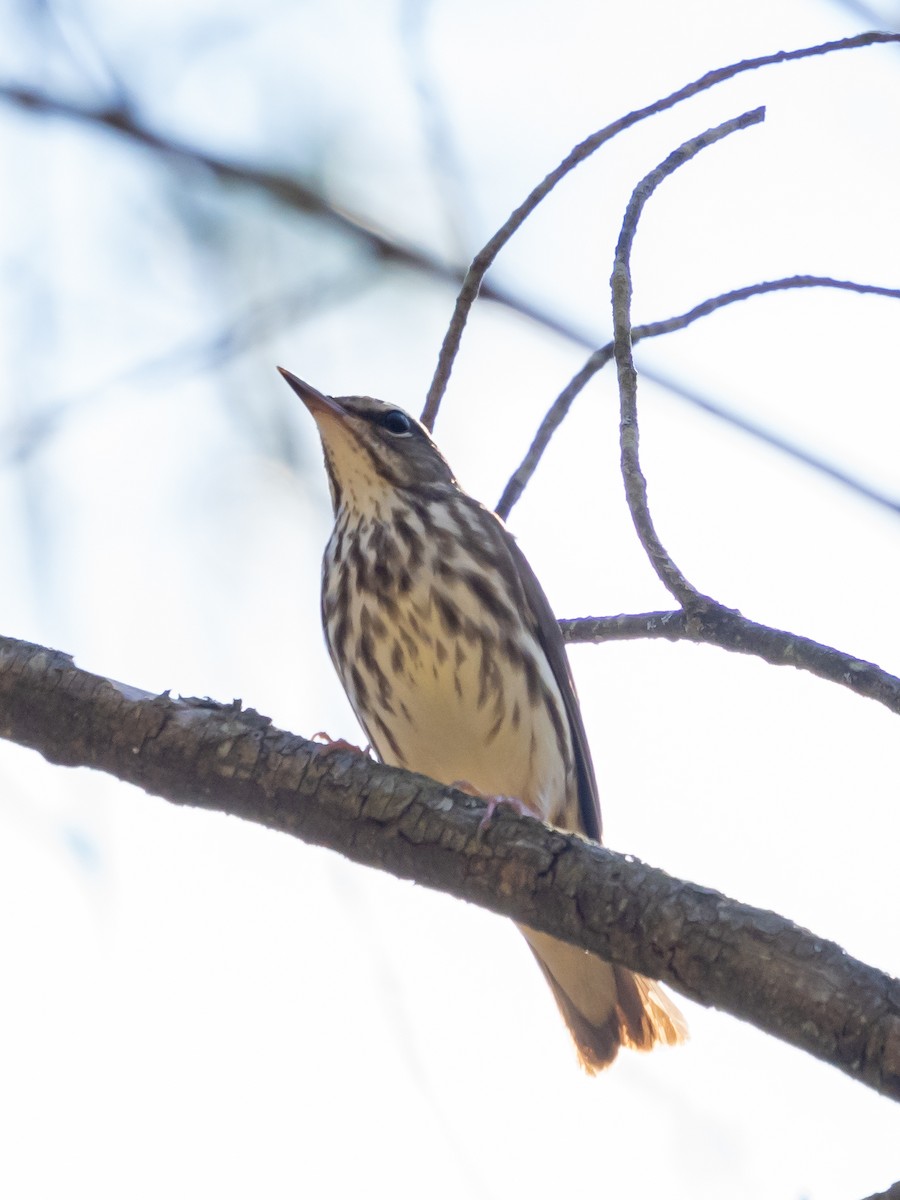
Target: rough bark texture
(893, 1193)
(746, 961)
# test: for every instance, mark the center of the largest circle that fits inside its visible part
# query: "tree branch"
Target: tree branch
(744, 960)
(120, 119)
(559, 409)
(892, 1193)
(285, 188)
(635, 483)
(483, 261)
(730, 630)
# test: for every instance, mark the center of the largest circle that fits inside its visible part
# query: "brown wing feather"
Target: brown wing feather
(604, 1006)
(547, 631)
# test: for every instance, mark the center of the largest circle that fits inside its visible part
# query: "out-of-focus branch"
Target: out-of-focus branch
(123, 120)
(21, 438)
(723, 627)
(448, 176)
(287, 189)
(746, 961)
(635, 483)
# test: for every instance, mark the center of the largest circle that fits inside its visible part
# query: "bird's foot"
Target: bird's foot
(492, 803)
(330, 745)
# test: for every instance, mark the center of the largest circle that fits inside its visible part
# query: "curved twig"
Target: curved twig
(486, 256)
(559, 409)
(730, 630)
(635, 483)
(290, 192)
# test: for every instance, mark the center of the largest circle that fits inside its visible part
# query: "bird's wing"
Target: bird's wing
(548, 634)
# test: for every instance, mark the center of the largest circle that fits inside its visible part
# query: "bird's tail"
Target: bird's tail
(604, 1006)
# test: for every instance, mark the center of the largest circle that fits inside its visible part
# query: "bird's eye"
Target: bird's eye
(396, 422)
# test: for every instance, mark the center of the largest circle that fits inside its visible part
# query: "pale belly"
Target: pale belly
(450, 705)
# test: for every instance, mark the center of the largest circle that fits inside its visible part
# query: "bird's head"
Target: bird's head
(373, 449)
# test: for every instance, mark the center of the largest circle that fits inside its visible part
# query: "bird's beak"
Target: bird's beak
(317, 403)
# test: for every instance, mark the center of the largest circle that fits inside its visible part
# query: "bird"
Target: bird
(455, 666)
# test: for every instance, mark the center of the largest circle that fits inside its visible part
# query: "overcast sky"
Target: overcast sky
(193, 1006)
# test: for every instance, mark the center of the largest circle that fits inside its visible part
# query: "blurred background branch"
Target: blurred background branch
(389, 250)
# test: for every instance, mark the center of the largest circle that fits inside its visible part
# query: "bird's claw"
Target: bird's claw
(331, 745)
(492, 803)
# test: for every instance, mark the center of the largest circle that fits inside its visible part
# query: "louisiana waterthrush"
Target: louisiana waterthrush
(455, 666)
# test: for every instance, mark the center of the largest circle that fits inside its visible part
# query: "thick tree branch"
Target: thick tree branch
(744, 960)
(729, 629)
(893, 1193)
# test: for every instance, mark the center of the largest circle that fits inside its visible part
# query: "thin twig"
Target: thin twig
(553, 418)
(635, 483)
(444, 163)
(384, 246)
(286, 189)
(486, 256)
(559, 409)
(730, 630)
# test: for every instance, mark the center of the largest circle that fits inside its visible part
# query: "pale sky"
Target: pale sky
(195, 1007)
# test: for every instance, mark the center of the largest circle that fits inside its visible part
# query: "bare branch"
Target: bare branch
(293, 194)
(486, 256)
(285, 188)
(447, 173)
(892, 1193)
(788, 283)
(553, 418)
(728, 629)
(744, 960)
(635, 483)
(559, 409)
